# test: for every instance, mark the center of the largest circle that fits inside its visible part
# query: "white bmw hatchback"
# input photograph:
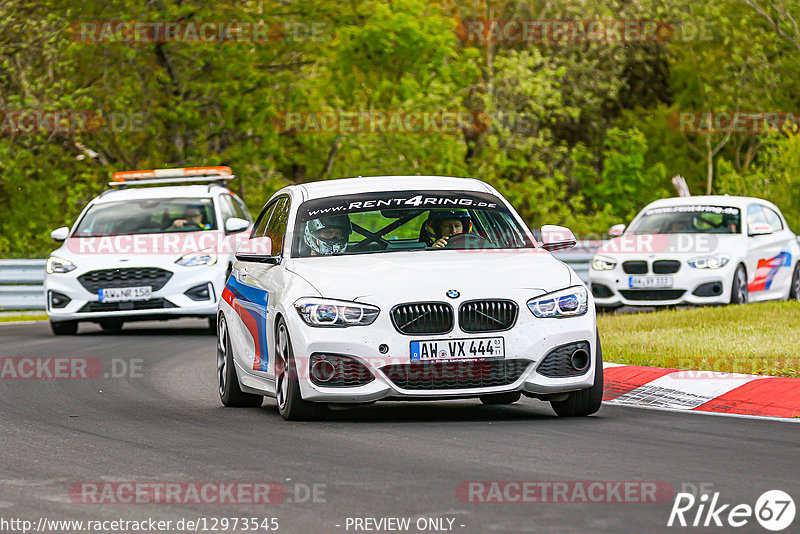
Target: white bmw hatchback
(403, 288)
(145, 253)
(698, 250)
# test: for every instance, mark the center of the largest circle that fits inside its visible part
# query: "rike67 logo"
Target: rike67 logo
(774, 510)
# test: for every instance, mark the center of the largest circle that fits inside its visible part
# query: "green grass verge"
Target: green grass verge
(761, 338)
(23, 317)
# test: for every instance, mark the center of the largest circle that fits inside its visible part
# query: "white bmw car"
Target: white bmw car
(698, 250)
(144, 253)
(403, 288)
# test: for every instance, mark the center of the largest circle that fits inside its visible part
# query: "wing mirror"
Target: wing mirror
(557, 237)
(60, 234)
(760, 229)
(616, 230)
(235, 224)
(258, 249)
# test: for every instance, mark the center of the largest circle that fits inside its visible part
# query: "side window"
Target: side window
(276, 228)
(773, 219)
(240, 209)
(263, 219)
(755, 215)
(226, 207)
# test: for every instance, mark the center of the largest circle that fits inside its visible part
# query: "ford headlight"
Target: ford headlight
(710, 262)
(603, 264)
(326, 312)
(201, 257)
(569, 302)
(58, 265)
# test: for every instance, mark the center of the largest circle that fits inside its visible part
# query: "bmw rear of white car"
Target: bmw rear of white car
(403, 288)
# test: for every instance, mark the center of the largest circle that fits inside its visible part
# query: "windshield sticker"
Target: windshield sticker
(400, 200)
(693, 209)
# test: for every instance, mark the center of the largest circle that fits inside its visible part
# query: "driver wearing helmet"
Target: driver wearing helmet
(328, 235)
(444, 224)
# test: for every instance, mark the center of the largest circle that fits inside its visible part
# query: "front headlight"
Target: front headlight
(58, 265)
(569, 302)
(600, 263)
(710, 262)
(327, 312)
(201, 257)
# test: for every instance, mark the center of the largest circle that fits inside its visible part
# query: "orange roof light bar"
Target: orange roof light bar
(187, 172)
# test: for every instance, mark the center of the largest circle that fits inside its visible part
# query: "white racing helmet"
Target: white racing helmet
(313, 238)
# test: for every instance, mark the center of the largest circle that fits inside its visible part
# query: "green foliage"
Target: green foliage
(576, 133)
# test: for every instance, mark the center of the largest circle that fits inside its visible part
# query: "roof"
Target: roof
(346, 186)
(712, 200)
(174, 191)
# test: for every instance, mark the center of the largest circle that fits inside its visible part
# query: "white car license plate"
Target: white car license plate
(458, 349)
(649, 282)
(119, 294)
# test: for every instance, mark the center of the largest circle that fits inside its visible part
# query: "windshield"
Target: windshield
(688, 220)
(149, 216)
(406, 221)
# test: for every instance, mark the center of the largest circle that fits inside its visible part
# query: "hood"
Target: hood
(426, 275)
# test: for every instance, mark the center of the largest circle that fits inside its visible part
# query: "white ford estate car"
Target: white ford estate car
(698, 250)
(142, 253)
(405, 287)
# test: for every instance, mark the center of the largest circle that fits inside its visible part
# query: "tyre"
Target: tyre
(794, 289)
(230, 393)
(111, 325)
(739, 292)
(586, 401)
(64, 328)
(291, 405)
(501, 398)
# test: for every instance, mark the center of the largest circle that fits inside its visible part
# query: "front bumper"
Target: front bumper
(170, 301)
(690, 286)
(530, 340)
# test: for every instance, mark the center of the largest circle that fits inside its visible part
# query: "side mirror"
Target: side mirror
(760, 229)
(235, 224)
(557, 238)
(616, 230)
(258, 249)
(60, 234)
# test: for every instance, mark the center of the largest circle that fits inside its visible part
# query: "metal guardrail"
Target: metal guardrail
(21, 285)
(21, 280)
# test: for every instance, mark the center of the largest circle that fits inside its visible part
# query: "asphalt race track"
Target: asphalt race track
(166, 424)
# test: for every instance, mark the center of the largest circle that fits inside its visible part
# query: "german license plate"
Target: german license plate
(120, 294)
(649, 282)
(458, 349)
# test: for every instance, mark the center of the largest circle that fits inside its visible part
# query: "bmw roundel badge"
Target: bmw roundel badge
(453, 294)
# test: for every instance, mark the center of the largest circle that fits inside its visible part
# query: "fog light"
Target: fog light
(58, 300)
(201, 292)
